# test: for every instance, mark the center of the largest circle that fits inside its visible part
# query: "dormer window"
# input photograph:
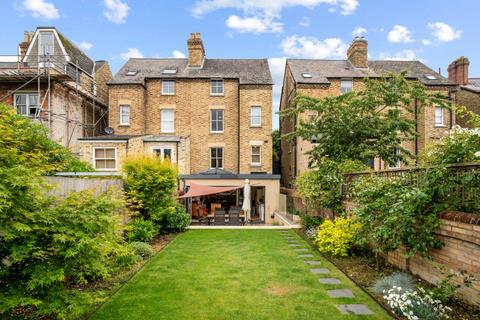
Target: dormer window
(46, 43)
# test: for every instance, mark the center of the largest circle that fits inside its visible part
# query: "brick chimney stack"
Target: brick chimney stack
(458, 71)
(23, 46)
(196, 51)
(357, 54)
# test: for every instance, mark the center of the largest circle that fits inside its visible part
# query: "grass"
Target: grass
(231, 274)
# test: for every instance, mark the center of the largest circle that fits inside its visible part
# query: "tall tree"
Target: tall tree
(364, 124)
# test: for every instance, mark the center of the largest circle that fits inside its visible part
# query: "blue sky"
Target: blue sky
(434, 31)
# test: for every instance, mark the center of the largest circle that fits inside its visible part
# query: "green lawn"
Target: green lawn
(232, 274)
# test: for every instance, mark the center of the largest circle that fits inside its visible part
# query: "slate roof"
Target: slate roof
(322, 70)
(248, 71)
(75, 54)
(473, 85)
(99, 64)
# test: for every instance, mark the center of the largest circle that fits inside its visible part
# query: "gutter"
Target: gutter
(416, 131)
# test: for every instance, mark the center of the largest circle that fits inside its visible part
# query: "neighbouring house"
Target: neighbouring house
(211, 117)
(468, 94)
(53, 81)
(322, 78)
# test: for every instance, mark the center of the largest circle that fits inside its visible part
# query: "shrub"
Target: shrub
(25, 143)
(141, 230)
(415, 305)
(60, 245)
(142, 249)
(150, 183)
(337, 237)
(172, 218)
(397, 279)
(309, 221)
(459, 146)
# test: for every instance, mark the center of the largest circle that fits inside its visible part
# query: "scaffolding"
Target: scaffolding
(49, 70)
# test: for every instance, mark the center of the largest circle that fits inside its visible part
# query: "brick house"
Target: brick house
(211, 117)
(322, 78)
(468, 94)
(53, 81)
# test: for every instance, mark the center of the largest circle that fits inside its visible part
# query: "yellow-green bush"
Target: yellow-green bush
(337, 237)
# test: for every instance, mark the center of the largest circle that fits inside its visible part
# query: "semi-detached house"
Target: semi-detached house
(211, 117)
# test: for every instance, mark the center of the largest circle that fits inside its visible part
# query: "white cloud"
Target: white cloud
(41, 9)
(116, 11)
(426, 42)
(84, 45)
(359, 32)
(399, 34)
(253, 24)
(443, 32)
(131, 53)
(277, 68)
(403, 55)
(311, 47)
(178, 54)
(304, 22)
(268, 7)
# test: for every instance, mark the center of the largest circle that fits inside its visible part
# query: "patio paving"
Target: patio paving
(329, 281)
(294, 245)
(341, 293)
(307, 255)
(301, 250)
(312, 262)
(359, 309)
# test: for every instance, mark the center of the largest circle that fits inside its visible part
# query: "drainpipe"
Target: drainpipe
(416, 131)
(452, 114)
(238, 128)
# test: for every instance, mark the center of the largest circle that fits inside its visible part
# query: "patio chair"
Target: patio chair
(234, 217)
(219, 217)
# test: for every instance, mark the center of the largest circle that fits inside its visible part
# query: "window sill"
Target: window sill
(217, 95)
(124, 125)
(167, 131)
(253, 126)
(216, 132)
(168, 94)
(255, 165)
(440, 126)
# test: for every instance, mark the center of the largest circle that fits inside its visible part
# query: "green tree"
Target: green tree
(364, 124)
(276, 144)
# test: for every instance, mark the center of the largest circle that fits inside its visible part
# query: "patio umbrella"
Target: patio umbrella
(246, 200)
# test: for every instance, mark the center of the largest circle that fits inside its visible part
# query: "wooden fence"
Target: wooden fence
(462, 180)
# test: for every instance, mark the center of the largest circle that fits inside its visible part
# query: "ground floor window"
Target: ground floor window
(396, 164)
(163, 153)
(105, 158)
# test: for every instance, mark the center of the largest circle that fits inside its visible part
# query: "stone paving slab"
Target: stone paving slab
(354, 309)
(320, 271)
(329, 281)
(307, 255)
(294, 245)
(341, 293)
(301, 250)
(312, 262)
(292, 240)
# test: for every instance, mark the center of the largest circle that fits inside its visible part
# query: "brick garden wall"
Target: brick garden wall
(460, 234)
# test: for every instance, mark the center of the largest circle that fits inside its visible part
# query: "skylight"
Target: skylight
(306, 75)
(170, 71)
(430, 77)
(131, 73)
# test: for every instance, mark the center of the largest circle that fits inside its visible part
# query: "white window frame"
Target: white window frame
(95, 162)
(122, 114)
(216, 161)
(163, 122)
(342, 87)
(397, 165)
(27, 103)
(217, 121)
(40, 44)
(212, 81)
(252, 116)
(259, 155)
(168, 93)
(442, 123)
(162, 153)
